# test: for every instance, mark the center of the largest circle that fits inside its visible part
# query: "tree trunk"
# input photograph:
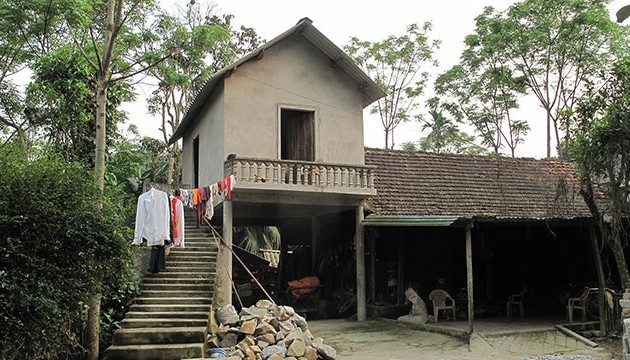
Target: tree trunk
(548, 134)
(93, 327)
(617, 250)
(103, 76)
(101, 131)
(613, 242)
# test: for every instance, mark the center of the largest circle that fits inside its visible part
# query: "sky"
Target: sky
(339, 20)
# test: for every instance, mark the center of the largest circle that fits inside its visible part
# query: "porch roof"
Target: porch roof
(428, 186)
(304, 27)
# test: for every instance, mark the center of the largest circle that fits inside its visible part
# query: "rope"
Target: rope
(216, 235)
(227, 271)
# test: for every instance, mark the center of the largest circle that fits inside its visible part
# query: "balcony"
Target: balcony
(301, 176)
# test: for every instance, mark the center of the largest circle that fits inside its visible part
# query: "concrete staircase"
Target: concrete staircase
(170, 319)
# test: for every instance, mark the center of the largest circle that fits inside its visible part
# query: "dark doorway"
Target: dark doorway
(196, 161)
(297, 135)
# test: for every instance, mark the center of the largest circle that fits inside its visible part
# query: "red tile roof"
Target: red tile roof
(415, 183)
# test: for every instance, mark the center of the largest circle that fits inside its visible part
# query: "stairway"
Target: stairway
(170, 318)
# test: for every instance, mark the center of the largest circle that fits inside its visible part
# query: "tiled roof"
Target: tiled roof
(427, 184)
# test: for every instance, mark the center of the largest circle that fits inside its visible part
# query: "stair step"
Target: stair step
(184, 288)
(167, 307)
(184, 280)
(185, 314)
(196, 264)
(175, 300)
(155, 352)
(174, 335)
(181, 273)
(173, 293)
(191, 258)
(162, 323)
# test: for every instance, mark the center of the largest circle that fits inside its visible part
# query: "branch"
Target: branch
(82, 51)
(143, 69)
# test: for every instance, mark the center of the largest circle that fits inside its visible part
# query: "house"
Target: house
(287, 121)
(515, 221)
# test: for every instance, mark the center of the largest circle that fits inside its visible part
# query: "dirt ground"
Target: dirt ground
(376, 339)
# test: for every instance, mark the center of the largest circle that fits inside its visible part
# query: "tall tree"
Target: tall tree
(556, 45)
(117, 41)
(483, 91)
(206, 43)
(601, 149)
(444, 135)
(398, 65)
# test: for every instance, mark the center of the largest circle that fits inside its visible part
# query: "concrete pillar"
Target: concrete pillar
(223, 288)
(625, 317)
(360, 255)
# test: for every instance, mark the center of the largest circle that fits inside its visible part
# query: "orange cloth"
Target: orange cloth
(303, 286)
(196, 199)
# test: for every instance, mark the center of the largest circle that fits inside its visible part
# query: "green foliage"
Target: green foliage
(61, 103)
(55, 251)
(445, 137)
(557, 46)
(601, 150)
(203, 43)
(398, 66)
(255, 238)
(483, 90)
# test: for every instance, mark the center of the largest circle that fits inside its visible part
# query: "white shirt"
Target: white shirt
(152, 218)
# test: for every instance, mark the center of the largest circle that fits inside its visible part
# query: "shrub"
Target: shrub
(56, 249)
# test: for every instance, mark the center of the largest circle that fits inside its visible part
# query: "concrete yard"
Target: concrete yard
(390, 339)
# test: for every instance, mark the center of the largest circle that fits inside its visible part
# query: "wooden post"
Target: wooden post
(469, 278)
(400, 281)
(360, 255)
(373, 269)
(600, 279)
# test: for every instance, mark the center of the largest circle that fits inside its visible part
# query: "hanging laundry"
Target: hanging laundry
(200, 206)
(153, 221)
(177, 207)
(209, 212)
(227, 185)
(152, 218)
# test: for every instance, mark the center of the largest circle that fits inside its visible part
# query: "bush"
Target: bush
(56, 249)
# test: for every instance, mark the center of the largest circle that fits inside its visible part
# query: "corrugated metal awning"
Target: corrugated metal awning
(409, 220)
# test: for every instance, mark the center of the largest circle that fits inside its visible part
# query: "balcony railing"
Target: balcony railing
(305, 173)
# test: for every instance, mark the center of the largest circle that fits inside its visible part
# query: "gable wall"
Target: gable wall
(210, 129)
(293, 74)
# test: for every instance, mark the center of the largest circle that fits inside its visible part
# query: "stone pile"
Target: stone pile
(266, 331)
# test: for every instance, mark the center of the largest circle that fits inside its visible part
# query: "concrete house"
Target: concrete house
(287, 121)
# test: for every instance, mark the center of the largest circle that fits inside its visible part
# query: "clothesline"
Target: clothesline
(202, 198)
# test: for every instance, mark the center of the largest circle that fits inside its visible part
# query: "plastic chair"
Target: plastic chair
(441, 301)
(516, 300)
(578, 303)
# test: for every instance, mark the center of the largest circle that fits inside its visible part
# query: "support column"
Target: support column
(223, 288)
(469, 278)
(373, 269)
(601, 280)
(360, 258)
